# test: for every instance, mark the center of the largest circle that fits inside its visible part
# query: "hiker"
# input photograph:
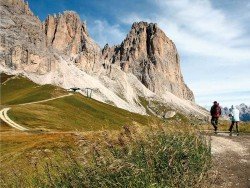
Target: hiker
(235, 118)
(215, 113)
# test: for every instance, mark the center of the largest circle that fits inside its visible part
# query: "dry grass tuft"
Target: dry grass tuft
(153, 156)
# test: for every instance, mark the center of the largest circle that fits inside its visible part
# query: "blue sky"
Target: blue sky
(212, 37)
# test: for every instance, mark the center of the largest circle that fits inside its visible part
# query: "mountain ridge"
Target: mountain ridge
(60, 51)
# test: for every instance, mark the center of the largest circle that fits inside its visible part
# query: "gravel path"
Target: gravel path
(231, 160)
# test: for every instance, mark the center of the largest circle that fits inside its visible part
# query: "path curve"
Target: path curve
(4, 116)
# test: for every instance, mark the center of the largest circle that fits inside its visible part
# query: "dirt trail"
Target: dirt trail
(45, 100)
(4, 116)
(231, 160)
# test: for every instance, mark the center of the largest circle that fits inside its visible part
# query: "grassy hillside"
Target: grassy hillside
(20, 149)
(20, 90)
(4, 127)
(70, 113)
(74, 113)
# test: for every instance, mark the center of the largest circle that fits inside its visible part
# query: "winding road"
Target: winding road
(4, 116)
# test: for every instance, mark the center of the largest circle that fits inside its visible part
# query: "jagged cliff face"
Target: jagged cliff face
(60, 51)
(152, 57)
(22, 42)
(67, 34)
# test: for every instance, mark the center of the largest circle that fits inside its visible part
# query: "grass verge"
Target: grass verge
(134, 157)
(75, 113)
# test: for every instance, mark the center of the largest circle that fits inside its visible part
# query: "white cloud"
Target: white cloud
(104, 33)
(200, 29)
(201, 18)
(190, 43)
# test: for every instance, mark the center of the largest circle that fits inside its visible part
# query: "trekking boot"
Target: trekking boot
(230, 134)
(215, 130)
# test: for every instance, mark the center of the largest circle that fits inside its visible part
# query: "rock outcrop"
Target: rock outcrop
(23, 45)
(152, 57)
(67, 34)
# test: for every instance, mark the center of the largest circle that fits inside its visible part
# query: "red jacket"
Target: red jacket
(215, 110)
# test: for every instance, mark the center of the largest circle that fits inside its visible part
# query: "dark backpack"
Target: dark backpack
(216, 111)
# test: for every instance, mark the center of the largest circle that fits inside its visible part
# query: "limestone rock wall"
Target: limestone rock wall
(67, 34)
(152, 57)
(23, 44)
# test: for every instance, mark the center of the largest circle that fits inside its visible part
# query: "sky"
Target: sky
(211, 36)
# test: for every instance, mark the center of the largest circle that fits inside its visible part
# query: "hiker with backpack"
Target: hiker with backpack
(235, 119)
(215, 113)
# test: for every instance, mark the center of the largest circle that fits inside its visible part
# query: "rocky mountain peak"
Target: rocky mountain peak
(242, 105)
(142, 24)
(65, 32)
(22, 38)
(152, 57)
(20, 6)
